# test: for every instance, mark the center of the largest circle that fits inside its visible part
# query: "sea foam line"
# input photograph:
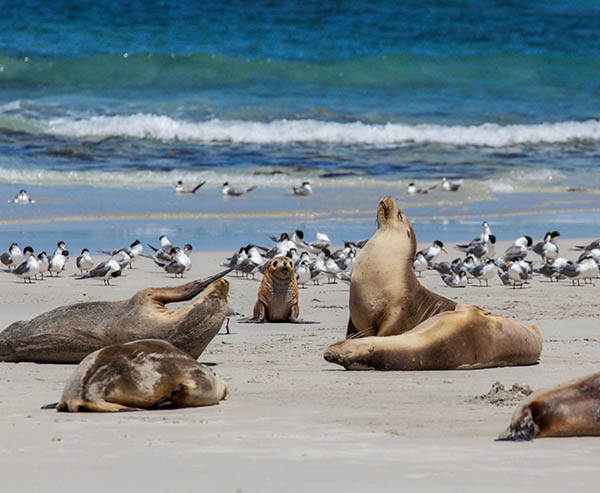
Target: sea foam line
(149, 126)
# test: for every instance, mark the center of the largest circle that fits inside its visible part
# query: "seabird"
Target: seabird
(448, 186)
(44, 263)
(13, 257)
(57, 262)
(484, 272)
(547, 249)
(84, 261)
(180, 189)
(107, 270)
(303, 272)
(303, 190)
(413, 190)
(420, 263)
(181, 261)
(22, 198)
(433, 251)
(29, 267)
(518, 249)
(235, 192)
(455, 280)
(517, 273)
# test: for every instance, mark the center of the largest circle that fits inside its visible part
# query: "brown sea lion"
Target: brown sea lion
(571, 409)
(278, 294)
(69, 333)
(466, 338)
(386, 297)
(145, 374)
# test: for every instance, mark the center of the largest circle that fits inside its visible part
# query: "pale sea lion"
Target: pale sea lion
(466, 338)
(424, 331)
(571, 409)
(385, 296)
(145, 374)
(69, 333)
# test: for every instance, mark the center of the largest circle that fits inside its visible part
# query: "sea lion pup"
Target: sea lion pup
(69, 333)
(385, 296)
(463, 339)
(277, 294)
(571, 409)
(145, 374)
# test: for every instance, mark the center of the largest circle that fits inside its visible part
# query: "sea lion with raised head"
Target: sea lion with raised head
(145, 374)
(69, 333)
(386, 297)
(571, 409)
(462, 339)
(423, 331)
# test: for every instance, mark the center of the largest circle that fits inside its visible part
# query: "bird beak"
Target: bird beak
(444, 250)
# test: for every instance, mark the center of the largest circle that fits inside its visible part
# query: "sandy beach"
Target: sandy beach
(292, 421)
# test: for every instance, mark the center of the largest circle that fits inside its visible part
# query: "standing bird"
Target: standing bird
(107, 270)
(29, 267)
(303, 190)
(57, 262)
(547, 249)
(433, 251)
(13, 257)
(517, 273)
(84, 261)
(180, 189)
(303, 273)
(484, 272)
(420, 263)
(455, 280)
(518, 249)
(44, 263)
(448, 186)
(181, 261)
(229, 191)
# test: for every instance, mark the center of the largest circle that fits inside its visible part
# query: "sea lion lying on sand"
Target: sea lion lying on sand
(571, 409)
(424, 331)
(145, 374)
(69, 333)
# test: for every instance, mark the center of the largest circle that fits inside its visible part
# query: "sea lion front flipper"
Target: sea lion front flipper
(185, 292)
(293, 318)
(167, 397)
(520, 430)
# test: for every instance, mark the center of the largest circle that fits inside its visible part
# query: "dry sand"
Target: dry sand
(293, 422)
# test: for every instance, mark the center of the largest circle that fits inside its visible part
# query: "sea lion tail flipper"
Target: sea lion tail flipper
(53, 405)
(520, 430)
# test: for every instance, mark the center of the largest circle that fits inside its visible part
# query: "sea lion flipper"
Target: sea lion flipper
(53, 405)
(187, 291)
(167, 397)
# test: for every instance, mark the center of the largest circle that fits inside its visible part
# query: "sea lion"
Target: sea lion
(385, 296)
(277, 294)
(465, 338)
(571, 409)
(145, 374)
(69, 333)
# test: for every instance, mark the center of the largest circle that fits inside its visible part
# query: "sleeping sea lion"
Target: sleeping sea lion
(145, 374)
(571, 409)
(386, 297)
(69, 333)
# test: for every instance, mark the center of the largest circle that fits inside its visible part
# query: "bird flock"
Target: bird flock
(26, 265)
(482, 263)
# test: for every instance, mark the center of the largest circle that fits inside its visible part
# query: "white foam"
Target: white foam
(149, 126)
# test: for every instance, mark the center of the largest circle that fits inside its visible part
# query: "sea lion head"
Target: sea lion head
(282, 268)
(390, 217)
(218, 288)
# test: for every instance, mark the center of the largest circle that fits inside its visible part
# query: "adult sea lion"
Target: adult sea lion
(69, 333)
(386, 297)
(145, 374)
(424, 331)
(466, 338)
(571, 409)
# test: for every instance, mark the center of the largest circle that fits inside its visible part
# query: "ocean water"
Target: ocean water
(104, 106)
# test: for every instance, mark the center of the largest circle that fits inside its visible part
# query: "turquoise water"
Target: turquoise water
(119, 101)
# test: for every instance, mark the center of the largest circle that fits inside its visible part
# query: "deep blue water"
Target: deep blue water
(502, 95)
